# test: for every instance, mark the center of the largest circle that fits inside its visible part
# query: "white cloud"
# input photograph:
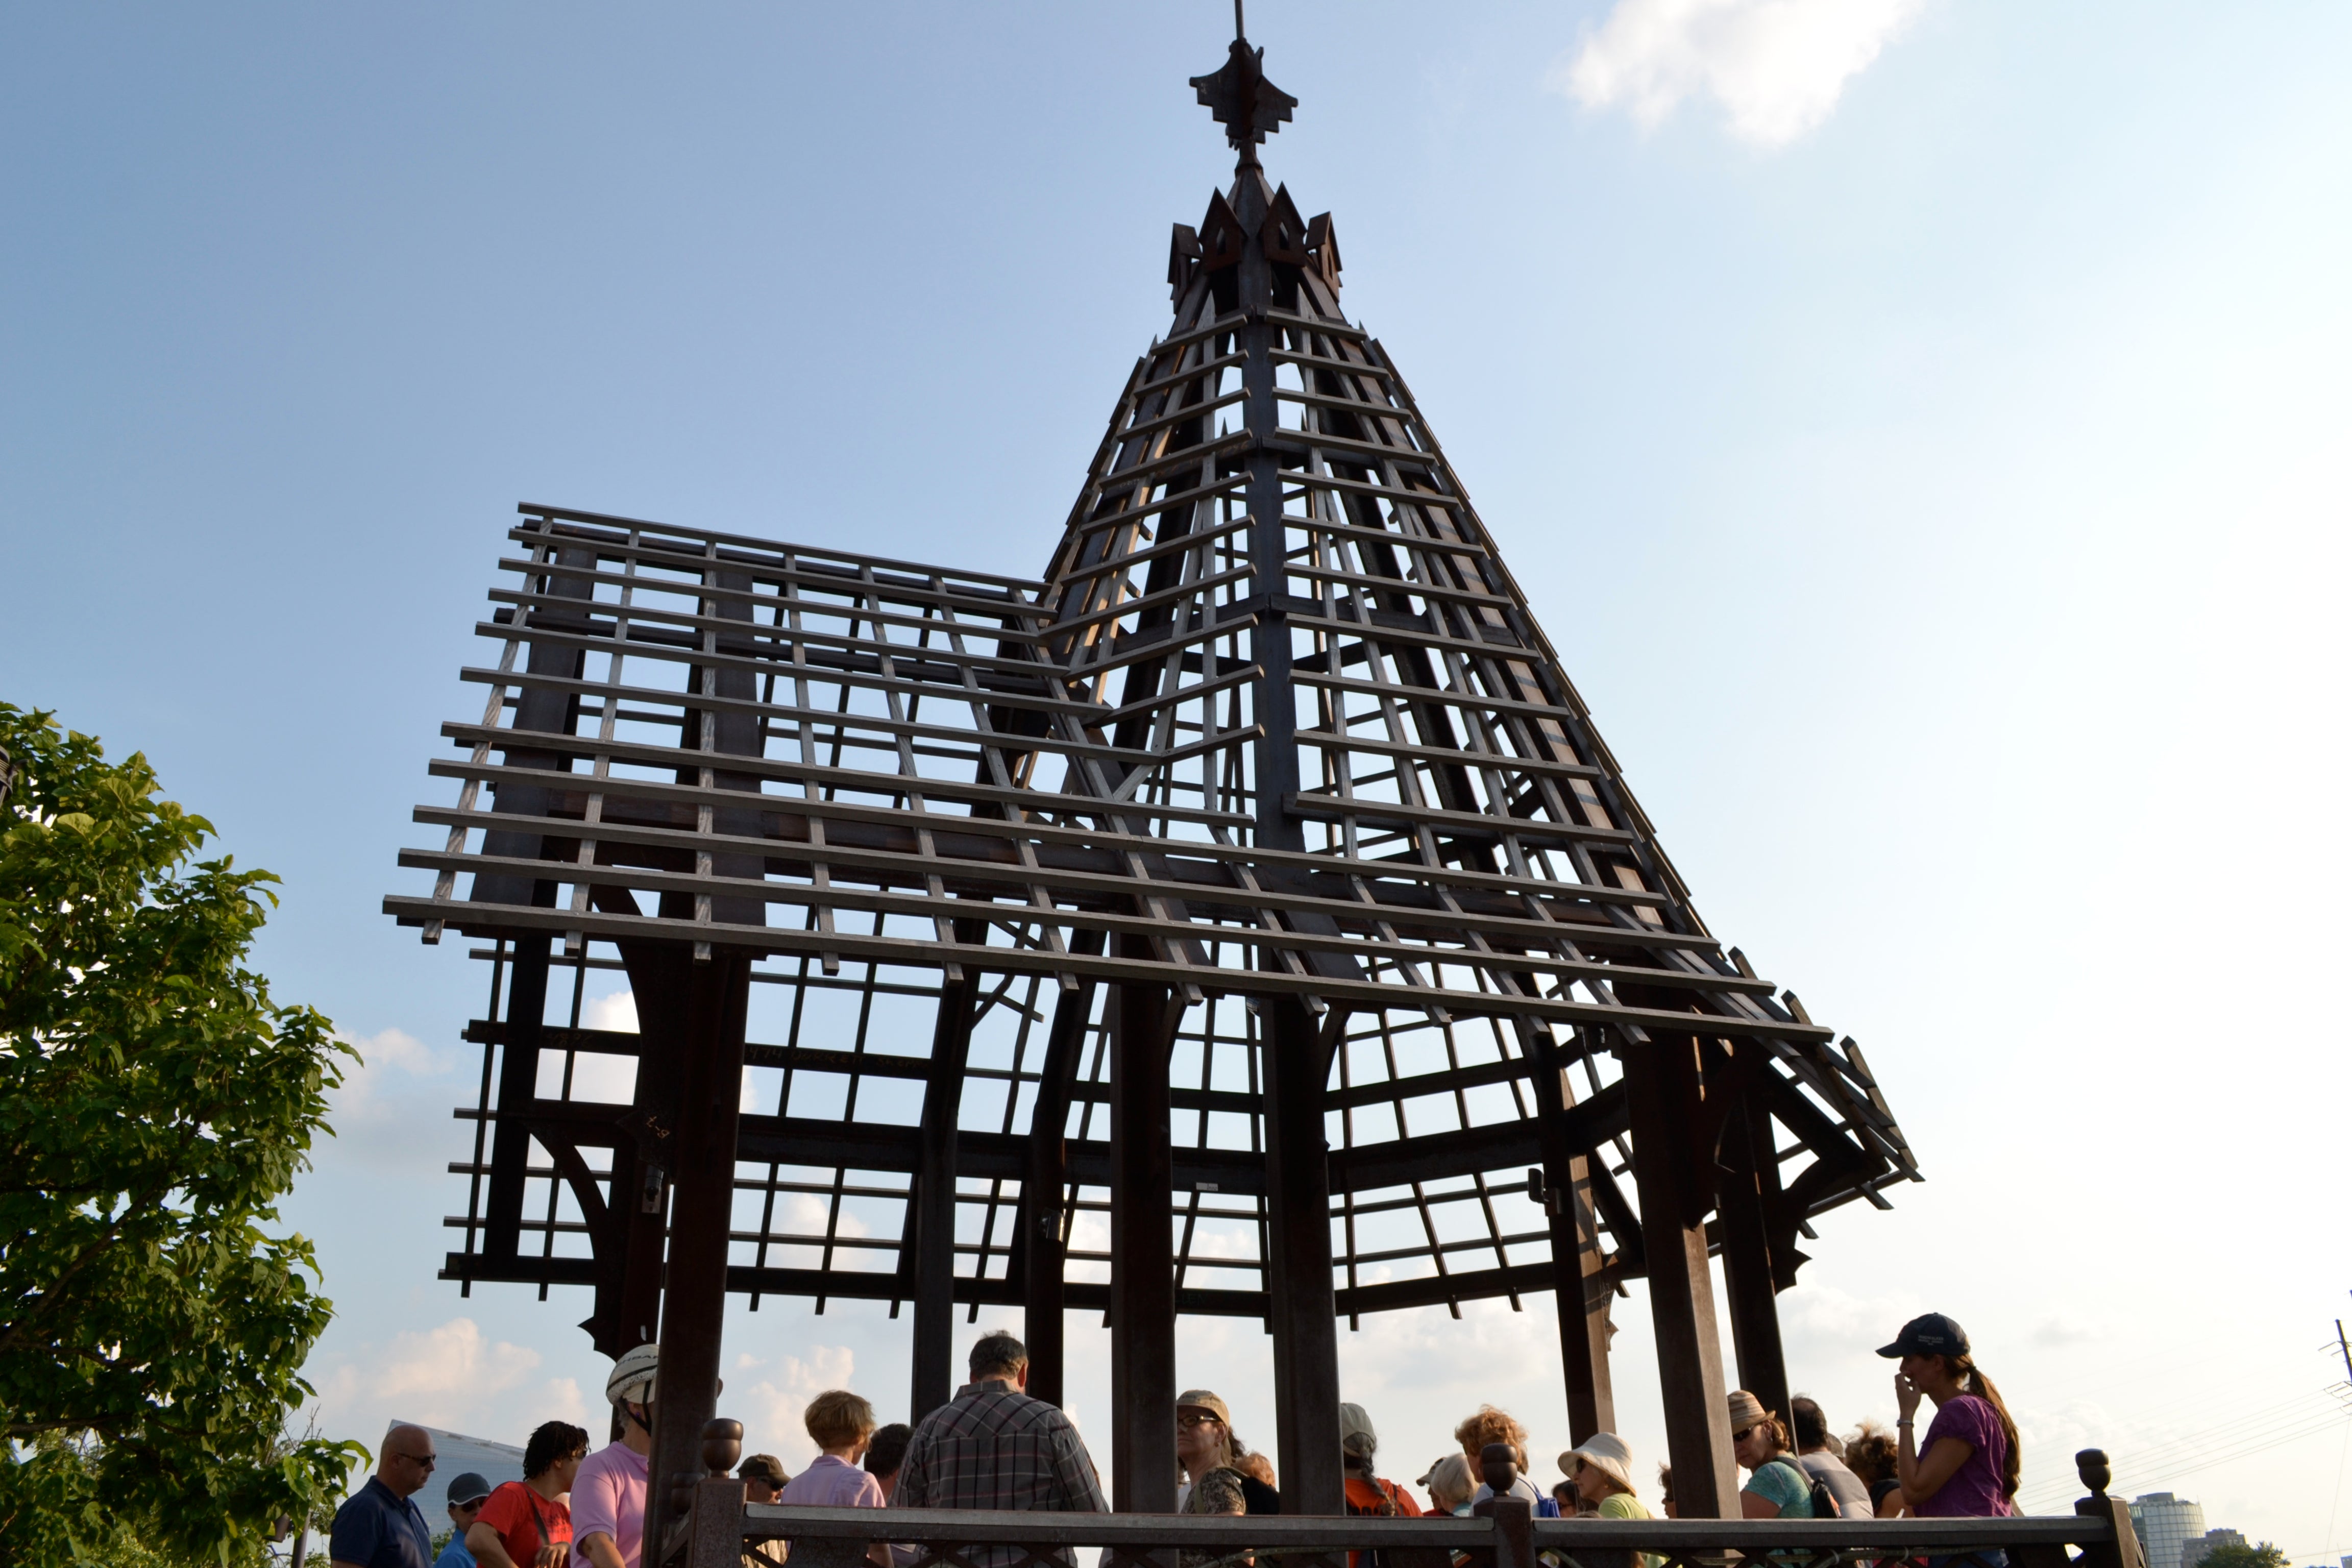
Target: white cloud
(1776, 66)
(375, 1112)
(452, 1376)
(617, 1012)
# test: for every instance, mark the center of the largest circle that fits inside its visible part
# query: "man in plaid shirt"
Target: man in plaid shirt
(993, 1446)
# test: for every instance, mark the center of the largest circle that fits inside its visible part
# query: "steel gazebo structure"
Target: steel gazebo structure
(1242, 917)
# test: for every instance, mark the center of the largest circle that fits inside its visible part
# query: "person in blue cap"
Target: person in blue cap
(1967, 1466)
(465, 1495)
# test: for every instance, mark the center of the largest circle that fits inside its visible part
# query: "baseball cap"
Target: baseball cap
(467, 1488)
(1202, 1399)
(1356, 1434)
(1930, 1333)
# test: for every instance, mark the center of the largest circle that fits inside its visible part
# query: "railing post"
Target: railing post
(716, 1522)
(714, 1506)
(2091, 1464)
(1514, 1517)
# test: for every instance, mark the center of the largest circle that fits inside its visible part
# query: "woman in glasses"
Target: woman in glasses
(1777, 1488)
(1205, 1442)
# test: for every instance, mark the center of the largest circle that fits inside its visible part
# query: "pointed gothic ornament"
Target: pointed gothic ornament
(1244, 917)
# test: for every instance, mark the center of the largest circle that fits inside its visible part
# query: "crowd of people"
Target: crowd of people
(993, 1446)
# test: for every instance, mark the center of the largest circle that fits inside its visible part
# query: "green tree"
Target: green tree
(2261, 1555)
(155, 1103)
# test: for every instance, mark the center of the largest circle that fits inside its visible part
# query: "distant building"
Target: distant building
(2167, 1524)
(496, 1463)
(2192, 1553)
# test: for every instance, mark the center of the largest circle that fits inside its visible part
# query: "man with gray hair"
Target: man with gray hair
(379, 1526)
(993, 1446)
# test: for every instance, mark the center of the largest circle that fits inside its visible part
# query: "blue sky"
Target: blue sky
(1921, 427)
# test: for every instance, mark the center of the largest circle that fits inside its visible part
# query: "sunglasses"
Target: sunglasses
(1196, 1419)
(423, 1462)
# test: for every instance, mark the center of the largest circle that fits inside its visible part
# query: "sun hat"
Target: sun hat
(1930, 1333)
(1202, 1399)
(1356, 1434)
(1450, 1471)
(1605, 1452)
(467, 1489)
(632, 1382)
(1746, 1410)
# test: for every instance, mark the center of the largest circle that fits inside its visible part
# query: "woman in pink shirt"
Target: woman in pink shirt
(608, 1494)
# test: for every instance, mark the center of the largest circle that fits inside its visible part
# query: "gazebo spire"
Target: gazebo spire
(1248, 106)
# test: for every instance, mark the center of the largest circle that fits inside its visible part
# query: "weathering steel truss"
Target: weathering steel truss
(1024, 900)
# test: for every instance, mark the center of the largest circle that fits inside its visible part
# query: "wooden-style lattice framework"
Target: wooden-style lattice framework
(1244, 917)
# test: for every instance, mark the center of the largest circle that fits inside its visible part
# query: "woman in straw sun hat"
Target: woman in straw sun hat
(1777, 1487)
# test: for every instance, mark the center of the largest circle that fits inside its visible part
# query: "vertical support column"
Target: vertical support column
(1746, 1177)
(1298, 1274)
(934, 1218)
(694, 1301)
(1662, 1098)
(518, 1086)
(1298, 1192)
(1582, 1283)
(1046, 1178)
(1142, 1250)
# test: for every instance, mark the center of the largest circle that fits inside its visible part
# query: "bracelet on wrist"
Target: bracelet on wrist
(1904, 1426)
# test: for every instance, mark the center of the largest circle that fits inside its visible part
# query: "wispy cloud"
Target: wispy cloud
(1777, 67)
(452, 1376)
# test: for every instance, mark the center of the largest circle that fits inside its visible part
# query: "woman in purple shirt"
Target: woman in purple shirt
(1967, 1466)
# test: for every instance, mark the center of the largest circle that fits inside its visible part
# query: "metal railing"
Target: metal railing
(719, 1530)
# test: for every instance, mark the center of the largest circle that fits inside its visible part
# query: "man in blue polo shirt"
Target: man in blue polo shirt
(379, 1527)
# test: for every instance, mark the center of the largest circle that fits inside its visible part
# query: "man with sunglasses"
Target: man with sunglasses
(379, 1526)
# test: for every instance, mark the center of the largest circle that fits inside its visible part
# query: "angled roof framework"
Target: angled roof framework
(1244, 917)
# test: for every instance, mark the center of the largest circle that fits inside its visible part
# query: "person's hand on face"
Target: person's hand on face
(1906, 1387)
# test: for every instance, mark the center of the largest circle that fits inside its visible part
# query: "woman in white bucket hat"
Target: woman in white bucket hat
(1602, 1469)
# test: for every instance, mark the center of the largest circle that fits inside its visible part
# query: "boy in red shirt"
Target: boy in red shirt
(524, 1524)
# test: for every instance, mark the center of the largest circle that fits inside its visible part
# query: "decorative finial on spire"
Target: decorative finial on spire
(1248, 106)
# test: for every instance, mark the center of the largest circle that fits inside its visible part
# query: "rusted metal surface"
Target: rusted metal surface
(1275, 737)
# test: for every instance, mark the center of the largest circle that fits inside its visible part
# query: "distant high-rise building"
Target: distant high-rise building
(2165, 1524)
(2193, 1551)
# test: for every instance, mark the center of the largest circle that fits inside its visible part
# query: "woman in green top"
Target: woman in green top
(1602, 1469)
(1777, 1488)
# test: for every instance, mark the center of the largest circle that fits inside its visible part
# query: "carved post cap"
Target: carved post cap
(1498, 1465)
(723, 1445)
(2091, 1464)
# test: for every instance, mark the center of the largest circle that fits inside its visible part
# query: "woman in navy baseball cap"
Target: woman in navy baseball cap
(1967, 1466)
